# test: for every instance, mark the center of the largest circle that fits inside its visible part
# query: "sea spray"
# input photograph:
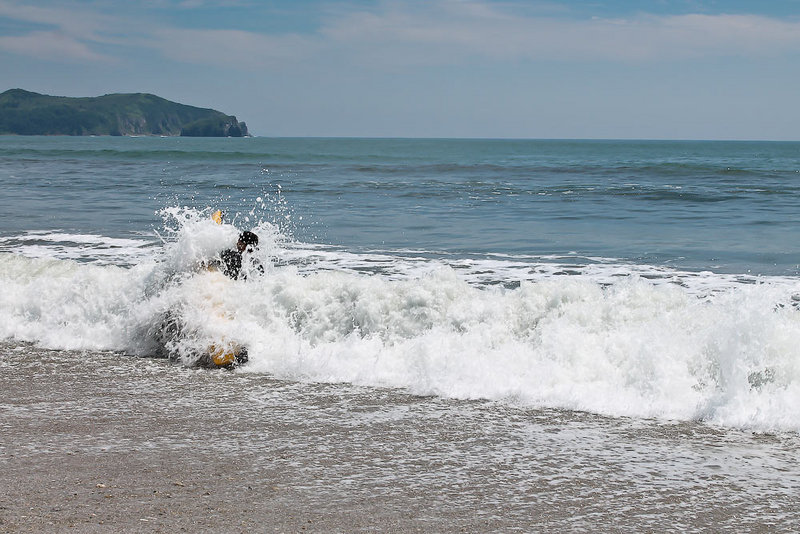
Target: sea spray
(68, 305)
(607, 339)
(632, 349)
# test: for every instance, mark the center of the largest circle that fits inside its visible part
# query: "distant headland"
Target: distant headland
(27, 113)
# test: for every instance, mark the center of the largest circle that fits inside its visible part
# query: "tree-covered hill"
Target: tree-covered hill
(26, 113)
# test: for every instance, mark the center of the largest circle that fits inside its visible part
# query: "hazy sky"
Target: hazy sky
(679, 69)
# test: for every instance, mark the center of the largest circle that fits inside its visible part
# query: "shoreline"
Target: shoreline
(103, 442)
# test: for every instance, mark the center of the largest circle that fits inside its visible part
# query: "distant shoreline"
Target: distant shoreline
(460, 139)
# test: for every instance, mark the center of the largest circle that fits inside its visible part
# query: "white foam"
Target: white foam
(607, 337)
(629, 349)
(92, 248)
(496, 269)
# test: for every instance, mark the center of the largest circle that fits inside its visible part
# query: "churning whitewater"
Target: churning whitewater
(597, 336)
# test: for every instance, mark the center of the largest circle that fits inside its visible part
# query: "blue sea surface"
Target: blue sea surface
(553, 335)
(726, 207)
(624, 278)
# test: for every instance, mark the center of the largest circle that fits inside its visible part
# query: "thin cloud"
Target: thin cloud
(451, 31)
(456, 32)
(75, 22)
(54, 46)
(69, 34)
(79, 34)
(231, 47)
(406, 33)
(195, 4)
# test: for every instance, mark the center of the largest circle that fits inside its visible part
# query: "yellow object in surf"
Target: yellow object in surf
(217, 216)
(222, 356)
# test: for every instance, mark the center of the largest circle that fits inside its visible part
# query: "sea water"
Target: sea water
(606, 328)
(645, 279)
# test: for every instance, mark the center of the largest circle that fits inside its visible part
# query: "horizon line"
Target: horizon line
(442, 138)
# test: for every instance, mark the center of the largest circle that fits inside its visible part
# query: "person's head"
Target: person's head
(246, 239)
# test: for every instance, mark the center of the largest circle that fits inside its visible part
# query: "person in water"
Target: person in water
(232, 258)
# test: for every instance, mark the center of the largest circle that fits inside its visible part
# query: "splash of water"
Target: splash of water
(618, 345)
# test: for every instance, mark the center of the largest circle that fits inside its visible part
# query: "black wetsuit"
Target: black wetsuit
(231, 263)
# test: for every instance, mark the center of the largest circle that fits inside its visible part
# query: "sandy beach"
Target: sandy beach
(103, 442)
(87, 448)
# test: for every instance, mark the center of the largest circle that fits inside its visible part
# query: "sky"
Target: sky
(593, 69)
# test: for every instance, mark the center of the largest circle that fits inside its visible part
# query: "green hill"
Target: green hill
(26, 113)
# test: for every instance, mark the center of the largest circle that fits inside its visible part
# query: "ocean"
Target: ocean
(622, 316)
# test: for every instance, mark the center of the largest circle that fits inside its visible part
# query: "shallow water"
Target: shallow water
(434, 463)
(628, 279)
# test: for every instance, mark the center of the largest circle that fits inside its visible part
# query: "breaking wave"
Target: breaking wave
(575, 333)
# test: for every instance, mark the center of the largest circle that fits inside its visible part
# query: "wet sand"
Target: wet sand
(103, 442)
